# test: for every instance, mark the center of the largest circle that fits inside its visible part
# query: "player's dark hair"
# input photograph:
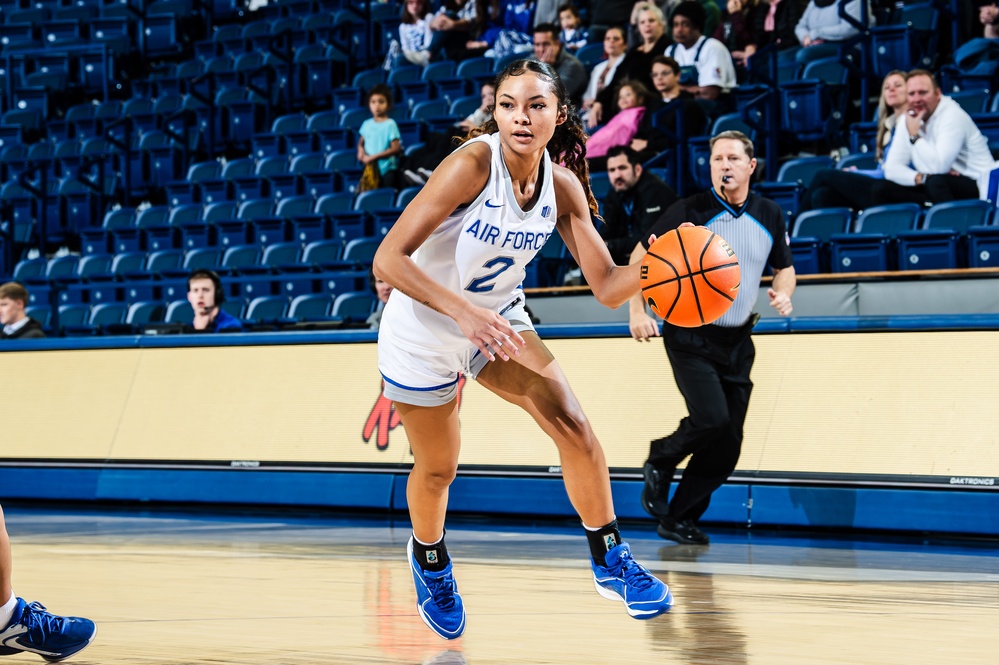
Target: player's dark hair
(568, 145)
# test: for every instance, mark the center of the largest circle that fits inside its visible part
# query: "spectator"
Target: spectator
(615, 45)
(478, 117)
(549, 50)
(206, 295)
(29, 627)
(437, 145)
(16, 324)
(712, 13)
(416, 39)
(636, 64)
(821, 30)
(632, 99)
(453, 26)
(988, 16)
(938, 154)
(736, 30)
(510, 31)
(382, 291)
(774, 22)
(855, 189)
(574, 34)
(651, 140)
(706, 69)
(636, 200)
(379, 141)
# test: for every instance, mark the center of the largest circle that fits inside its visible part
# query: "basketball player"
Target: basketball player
(456, 259)
(29, 627)
(711, 364)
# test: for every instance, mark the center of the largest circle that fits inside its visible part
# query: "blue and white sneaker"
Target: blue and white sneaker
(628, 581)
(36, 630)
(437, 599)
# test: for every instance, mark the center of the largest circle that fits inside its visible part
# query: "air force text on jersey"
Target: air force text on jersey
(519, 240)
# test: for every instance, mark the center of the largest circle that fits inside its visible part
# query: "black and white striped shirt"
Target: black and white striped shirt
(756, 232)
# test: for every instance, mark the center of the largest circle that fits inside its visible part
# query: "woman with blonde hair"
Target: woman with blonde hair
(833, 188)
(637, 63)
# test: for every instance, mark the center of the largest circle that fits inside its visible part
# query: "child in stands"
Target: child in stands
(380, 141)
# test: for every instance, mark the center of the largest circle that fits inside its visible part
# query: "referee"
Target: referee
(711, 364)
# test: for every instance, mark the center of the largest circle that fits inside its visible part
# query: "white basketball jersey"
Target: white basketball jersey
(480, 252)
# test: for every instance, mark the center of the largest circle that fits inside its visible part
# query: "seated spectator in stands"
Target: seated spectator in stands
(736, 30)
(774, 22)
(821, 29)
(938, 154)
(379, 141)
(636, 200)
(637, 62)
(16, 324)
(478, 117)
(548, 48)
(615, 45)
(651, 140)
(206, 295)
(453, 26)
(511, 32)
(632, 98)
(988, 16)
(712, 13)
(382, 291)
(416, 39)
(833, 188)
(422, 161)
(574, 34)
(706, 68)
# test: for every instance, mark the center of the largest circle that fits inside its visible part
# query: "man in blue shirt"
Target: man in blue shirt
(205, 293)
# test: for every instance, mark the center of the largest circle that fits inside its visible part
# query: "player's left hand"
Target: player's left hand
(780, 301)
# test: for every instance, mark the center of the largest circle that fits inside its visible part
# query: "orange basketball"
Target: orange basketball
(690, 276)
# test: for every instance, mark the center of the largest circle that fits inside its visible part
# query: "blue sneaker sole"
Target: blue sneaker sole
(446, 634)
(655, 610)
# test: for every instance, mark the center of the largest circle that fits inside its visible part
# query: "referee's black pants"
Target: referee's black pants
(711, 366)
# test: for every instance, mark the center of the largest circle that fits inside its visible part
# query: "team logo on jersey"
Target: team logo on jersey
(545, 211)
(383, 418)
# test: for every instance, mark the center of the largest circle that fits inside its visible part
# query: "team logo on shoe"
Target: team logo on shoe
(432, 557)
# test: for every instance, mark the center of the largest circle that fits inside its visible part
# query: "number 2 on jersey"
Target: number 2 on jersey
(484, 283)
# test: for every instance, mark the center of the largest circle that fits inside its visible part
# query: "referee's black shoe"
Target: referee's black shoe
(655, 492)
(684, 531)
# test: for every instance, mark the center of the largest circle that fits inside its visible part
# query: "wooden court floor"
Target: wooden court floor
(213, 589)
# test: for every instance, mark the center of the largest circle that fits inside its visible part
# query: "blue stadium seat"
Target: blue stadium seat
(322, 252)
(822, 223)
(375, 199)
(201, 257)
(129, 262)
(179, 311)
(266, 308)
(927, 250)
(281, 254)
(361, 250)
(888, 219)
(241, 256)
(859, 252)
(983, 247)
(145, 311)
(958, 216)
(310, 306)
(353, 305)
(164, 260)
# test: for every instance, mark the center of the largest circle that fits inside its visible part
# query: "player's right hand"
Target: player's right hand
(490, 333)
(643, 327)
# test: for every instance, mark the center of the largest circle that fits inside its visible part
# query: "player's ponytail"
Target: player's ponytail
(568, 145)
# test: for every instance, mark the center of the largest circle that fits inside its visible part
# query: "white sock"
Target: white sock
(7, 610)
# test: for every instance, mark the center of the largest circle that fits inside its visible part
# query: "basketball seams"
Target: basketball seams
(690, 274)
(680, 250)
